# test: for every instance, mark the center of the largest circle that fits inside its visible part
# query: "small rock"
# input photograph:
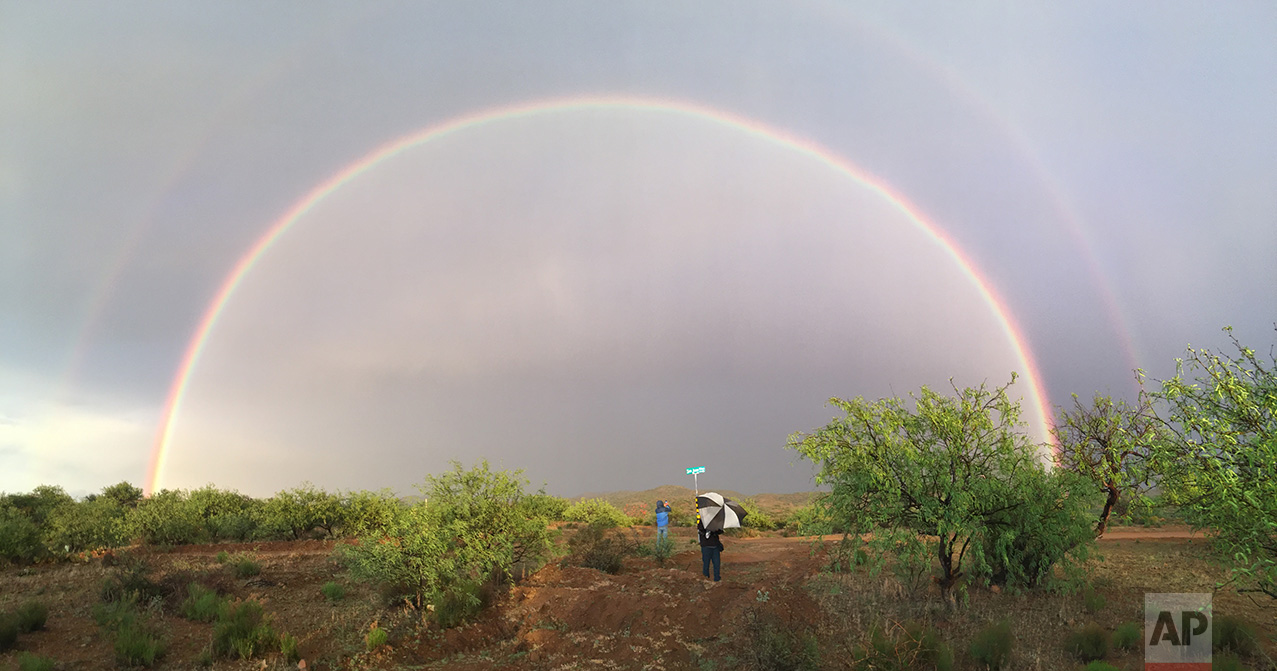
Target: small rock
(995, 589)
(301, 665)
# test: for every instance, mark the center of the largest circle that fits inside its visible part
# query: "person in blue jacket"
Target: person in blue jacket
(662, 520)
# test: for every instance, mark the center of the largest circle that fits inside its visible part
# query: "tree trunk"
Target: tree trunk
(1103, 524)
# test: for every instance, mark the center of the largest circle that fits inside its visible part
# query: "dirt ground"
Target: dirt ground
(646, 617)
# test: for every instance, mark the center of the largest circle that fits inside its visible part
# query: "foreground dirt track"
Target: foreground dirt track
(647, 617)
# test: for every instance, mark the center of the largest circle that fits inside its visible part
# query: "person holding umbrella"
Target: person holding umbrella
(713, 514)
(711, 548)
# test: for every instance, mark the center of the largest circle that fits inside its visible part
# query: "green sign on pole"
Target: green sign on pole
(695, 470)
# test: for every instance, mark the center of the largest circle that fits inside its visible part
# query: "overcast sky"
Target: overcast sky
(603, 295)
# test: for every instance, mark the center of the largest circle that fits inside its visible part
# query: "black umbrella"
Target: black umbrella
(718, 513)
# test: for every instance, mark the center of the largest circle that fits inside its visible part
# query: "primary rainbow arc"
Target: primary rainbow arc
(208, 321)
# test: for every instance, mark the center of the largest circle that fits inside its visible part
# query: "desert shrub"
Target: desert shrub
(223, 557)
(31, 616)
(1097, 665)
(245, 565)
(1088, 643)
(370, 513)
(31, 662)
(468, 528)
(903, 648)
(1127, 636)
(662, 550)
(166, 518)
(459, 603)
(594, 547)
(991, 646)
(244, 630)
(1045, 524)
(19, 536)
(1232, 634)
(376, 637)
(770, 644)
(39, 503)
(755, 517)
(122, 494)
(136, 645)
(202, 604)
(297, 512)
(596, 512)
(1092, 600)
(131, 580)
(333, 591)
(288, 647)
(88, 525)
(545, 506)
(812, 520)
(1001, 510)
(8, 631)
(112, 615)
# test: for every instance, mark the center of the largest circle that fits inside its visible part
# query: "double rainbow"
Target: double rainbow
(1039, 411)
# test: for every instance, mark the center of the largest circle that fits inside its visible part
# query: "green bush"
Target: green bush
(594, 547)
(288, 647)
(30, 662)
(1093, 601)
(113, 615)
(243, 630)
(166, 518)
(1088, 643)
(662, 550)
(19, 536)
(135, 645)
(297, 512)
(1100, 666)
(546, 507)
(130, 579)
(770, 644)
(909, 646)
(31, 616)
(376, 638)
(813, 520)
(245, 566)
(1127, 636)
(8, 631)
(223, 557)
(370, 513)
(468, 528)
(88, 525)
(991, 647)
(1045, 525)
(202, 604)
(333, 591)
(1232, 634)
(596, 512)
(755, 517)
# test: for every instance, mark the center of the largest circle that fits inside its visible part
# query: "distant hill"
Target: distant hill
(774, 504)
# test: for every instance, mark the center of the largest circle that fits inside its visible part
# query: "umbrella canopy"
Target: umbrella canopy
(718, 513)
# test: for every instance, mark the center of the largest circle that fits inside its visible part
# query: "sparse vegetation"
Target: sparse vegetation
(596, 513)
(30, 662)
(31, 616)
(1089, 643)
(902, 646)
(245, 566)
(991, 647)
(376, 638)
(244, 631)
(1231, 634)
(1127, 636)
(202, 604)
(333, 591)
(597, 548)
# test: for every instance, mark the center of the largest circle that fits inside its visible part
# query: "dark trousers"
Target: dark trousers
(710, 555)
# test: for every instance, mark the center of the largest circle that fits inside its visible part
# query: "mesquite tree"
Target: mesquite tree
(1220, 461)
(1109, 443)
(952, 469)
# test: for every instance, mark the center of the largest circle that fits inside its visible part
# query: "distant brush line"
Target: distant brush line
(173, 405)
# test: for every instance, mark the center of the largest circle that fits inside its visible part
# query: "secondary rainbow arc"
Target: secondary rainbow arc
(195, 348)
